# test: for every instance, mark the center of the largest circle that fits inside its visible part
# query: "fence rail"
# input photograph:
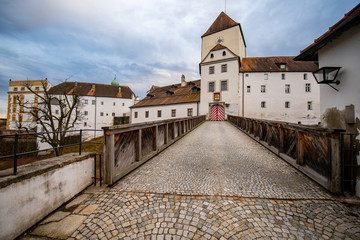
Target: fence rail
(314, 151)
(33, 135)
(127, 147)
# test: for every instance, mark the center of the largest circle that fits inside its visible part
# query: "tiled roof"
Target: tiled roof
(271, 64)
(222, 22)
(180, 95)
(86, 89)
(350, 19)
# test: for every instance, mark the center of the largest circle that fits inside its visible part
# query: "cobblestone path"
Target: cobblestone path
(215, 183)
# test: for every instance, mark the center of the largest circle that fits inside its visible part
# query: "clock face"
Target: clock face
(219, 40)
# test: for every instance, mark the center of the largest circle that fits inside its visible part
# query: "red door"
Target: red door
(217, 113)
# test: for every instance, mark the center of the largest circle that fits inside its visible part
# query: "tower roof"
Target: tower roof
(222, 22)
(114, 82)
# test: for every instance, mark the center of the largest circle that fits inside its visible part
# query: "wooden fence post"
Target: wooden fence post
(166, 133)
(335, 163)
(155, 137)
(138, 139)
(109, 153)
(300, 148)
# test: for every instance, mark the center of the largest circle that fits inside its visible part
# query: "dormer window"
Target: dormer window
(190, 84)
(224, 53)
(282, 66)
(148, 96)
(212, 55)
(173, 86)
(169, 93)
(195, 89)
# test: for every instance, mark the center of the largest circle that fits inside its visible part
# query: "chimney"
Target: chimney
(183, 82)
(76, 84)
(119, 89)
(93, 86)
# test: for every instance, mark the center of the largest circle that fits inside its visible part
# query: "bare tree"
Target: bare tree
(54, 126)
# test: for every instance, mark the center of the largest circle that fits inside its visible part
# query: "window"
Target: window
(15, 89)
(283, 76)
(282, 65)
(159, 113)
(266, 76)
(212, 55)
(246, 75)
(224, 68)
(14, 108)
(14, 99)
(57, 111)
(189, 112)
(248, 88)
(224, 85)
(37, 88)
(21, 109)
(211, 87)
(307, 87)
(309, 105)
(124, 114)
(211, 70)
(224, 53)
(123, 104)
(173, 112)
(93, 102)
(35, 99)
(263, 88)
(86, 113)
(22, 88)
(13, 117)
(287, 104)
(20, 118)
(86, 101)
(146, 114)
(287, 88)
(135, 114)
(102, 102)
(263, 104)
(305, 76)
(101, 114)
(107, 114)
(113, 114)
(85, 124)
(114, 103)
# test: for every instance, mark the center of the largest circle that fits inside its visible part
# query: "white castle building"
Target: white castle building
(273, 88)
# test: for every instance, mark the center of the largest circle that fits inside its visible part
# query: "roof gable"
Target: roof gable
(222, 22)
(218, 47)
(352, 18)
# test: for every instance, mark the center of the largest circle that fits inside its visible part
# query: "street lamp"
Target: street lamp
(327, 75)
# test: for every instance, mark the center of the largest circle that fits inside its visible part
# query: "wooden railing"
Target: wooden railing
(128, 146)
(314, 151)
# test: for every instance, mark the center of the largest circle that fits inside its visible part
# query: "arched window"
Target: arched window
(212, 55)
(224, 53)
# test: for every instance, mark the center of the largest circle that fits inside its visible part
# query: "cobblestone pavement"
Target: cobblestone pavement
(215, 183)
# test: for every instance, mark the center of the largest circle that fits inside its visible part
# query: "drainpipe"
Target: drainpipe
(95, 118)
(242, 96)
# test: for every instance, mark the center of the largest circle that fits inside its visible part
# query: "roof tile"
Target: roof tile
(270, 64)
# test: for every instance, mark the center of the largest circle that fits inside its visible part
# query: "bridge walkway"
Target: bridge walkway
(215, 183)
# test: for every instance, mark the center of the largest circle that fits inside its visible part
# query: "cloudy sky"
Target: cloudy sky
(144, 42)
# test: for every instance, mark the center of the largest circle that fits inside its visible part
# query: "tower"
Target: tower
(223, 47)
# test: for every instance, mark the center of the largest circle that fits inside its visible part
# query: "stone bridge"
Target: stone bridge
(214, 183)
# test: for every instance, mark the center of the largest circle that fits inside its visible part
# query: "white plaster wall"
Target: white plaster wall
(181, 112)
(232, 40)
(229, 96)
(24, 203)
(343, 52)
(275, 97)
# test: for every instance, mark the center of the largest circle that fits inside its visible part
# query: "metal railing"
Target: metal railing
(16, 154)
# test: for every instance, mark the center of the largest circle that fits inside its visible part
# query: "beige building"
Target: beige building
(18, 91)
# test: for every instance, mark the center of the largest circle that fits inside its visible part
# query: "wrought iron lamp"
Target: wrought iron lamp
(327, 75)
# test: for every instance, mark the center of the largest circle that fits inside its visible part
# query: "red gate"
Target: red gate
(217, 113)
